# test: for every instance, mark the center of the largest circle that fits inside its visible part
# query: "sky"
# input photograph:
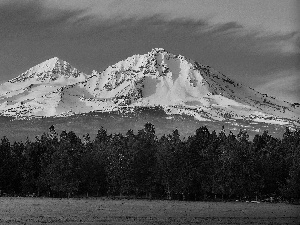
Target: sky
(255, 42)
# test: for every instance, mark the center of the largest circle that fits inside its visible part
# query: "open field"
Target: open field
(106, 211)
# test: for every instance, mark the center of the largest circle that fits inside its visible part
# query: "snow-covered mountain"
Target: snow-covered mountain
(158, 78)
(31, 93)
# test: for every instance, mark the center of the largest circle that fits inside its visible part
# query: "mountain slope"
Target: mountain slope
(28, 94)
(158, 78)
(121, 121)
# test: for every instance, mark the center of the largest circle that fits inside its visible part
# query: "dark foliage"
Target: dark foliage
(204, 166)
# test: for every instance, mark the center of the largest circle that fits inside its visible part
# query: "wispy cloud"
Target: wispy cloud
(28, 17)
(93, 34)
(272, 15)
(284, 85)
(272, 21)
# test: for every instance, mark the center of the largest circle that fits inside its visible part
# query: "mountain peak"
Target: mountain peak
(49, 64)
(54, 60)
(158, 50)
(49, 69)
(157, 78)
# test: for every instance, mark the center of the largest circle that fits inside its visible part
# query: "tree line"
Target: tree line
(203, 166)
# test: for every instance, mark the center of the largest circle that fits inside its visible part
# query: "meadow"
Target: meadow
(108, 211)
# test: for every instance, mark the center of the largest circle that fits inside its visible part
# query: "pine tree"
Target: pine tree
(144, 160)
(6, 171)
(65, 166)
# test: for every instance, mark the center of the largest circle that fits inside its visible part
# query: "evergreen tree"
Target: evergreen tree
(6, 171)
(166, 162)
(144, 161)
(291, 146)
(92, 173)
(65, 166)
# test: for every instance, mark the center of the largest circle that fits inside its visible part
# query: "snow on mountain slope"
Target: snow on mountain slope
(178, 84)
(182, 86)
(51, 70)
(25, 94)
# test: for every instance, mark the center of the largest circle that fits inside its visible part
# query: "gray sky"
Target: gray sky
(255, 42)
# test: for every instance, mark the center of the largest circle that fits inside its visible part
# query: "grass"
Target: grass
(106, 211)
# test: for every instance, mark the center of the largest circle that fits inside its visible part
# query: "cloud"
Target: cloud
(275, 21)
(228, 16)
(268, 15)
(271, 15)
(29, 17)
(285, 86)
(93, 37)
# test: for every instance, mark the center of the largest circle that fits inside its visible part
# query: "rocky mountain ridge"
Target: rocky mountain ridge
(177, 84)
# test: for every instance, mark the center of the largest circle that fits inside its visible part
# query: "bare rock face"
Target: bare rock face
(177, 84)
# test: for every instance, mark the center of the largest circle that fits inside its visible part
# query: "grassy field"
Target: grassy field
(106, 211)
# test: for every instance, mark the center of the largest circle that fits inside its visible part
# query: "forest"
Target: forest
(204, 166)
